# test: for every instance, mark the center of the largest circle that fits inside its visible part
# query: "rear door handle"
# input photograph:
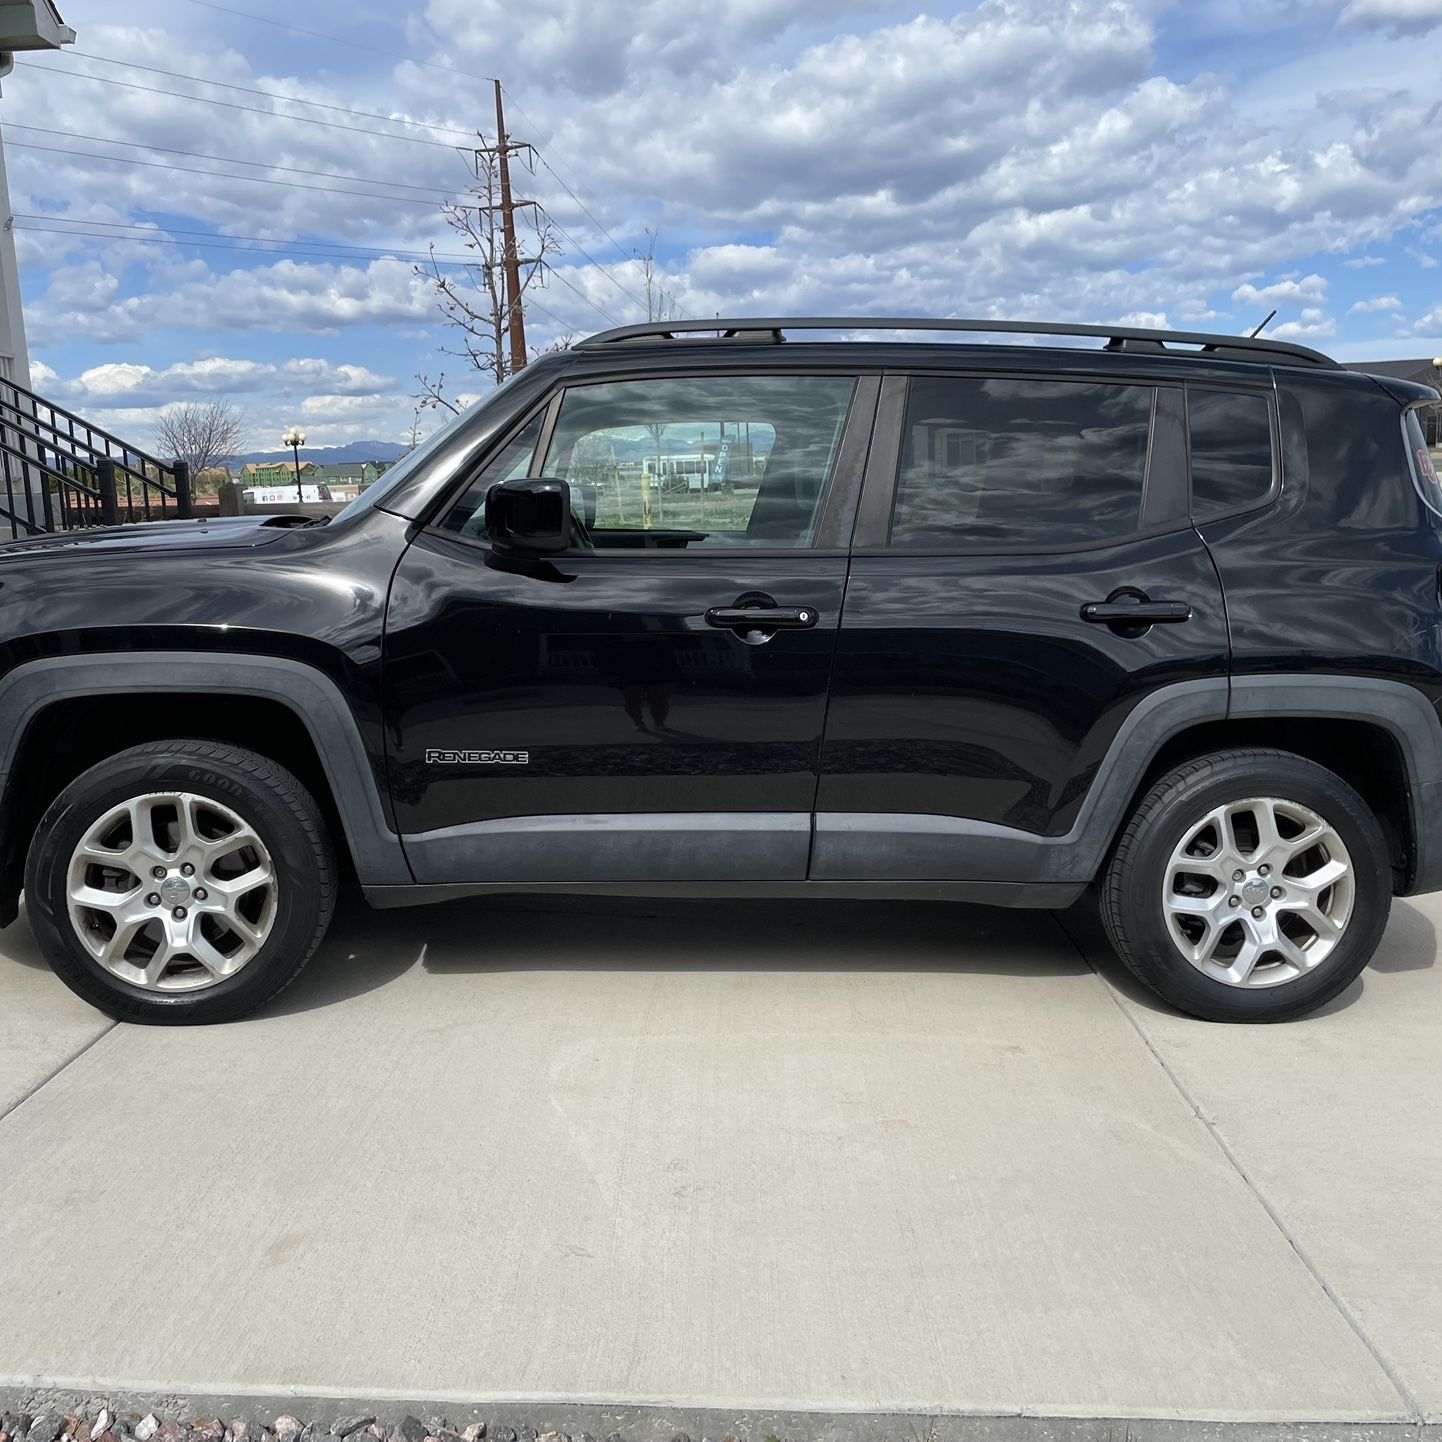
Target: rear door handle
(762, 618)
(1136, 613)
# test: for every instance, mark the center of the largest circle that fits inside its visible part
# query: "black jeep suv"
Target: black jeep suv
(691, 609)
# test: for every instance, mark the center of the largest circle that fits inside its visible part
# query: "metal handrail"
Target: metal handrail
(1132, 338)
(90, 468)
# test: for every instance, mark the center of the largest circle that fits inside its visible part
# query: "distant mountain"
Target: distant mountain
(329, 455)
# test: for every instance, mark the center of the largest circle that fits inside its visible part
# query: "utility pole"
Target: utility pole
(515, 316)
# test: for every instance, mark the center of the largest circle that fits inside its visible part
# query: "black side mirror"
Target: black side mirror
(531, 515)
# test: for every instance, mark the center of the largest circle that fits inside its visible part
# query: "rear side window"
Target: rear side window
(1013, 463)
(1231, 449)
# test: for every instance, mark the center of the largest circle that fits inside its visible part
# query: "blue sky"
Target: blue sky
(1191, 164)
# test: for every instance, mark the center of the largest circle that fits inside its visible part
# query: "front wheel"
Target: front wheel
(180, 882)
(1248, 885)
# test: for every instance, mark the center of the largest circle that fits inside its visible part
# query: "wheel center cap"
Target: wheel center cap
(175, 891)
(1255, 891)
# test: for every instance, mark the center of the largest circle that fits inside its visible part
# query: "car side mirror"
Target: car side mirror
(531, 515)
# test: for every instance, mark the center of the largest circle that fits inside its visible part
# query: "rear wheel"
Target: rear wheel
(180, 881)
(1248, 886)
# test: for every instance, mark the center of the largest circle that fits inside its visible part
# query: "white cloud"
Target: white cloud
(1397, 17)
(1375, 303)
(1282, 292)
(1311, 324)
(1363, 262)
(126, 381)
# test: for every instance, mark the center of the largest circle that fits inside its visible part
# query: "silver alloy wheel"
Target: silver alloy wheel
(1259, 892)
(171, 892)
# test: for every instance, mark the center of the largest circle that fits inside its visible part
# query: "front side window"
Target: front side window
(1231, 447)
(1013, 463)
(700, 462)
(512, 462)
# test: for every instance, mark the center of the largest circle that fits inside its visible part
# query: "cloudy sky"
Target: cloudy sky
(1189, 164)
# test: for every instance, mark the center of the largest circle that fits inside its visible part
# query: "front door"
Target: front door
(1026, 587)
(649, 705)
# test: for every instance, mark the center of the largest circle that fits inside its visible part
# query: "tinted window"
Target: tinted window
(511, 463)
(700, 462)
(1231, 439)
(1020, 463)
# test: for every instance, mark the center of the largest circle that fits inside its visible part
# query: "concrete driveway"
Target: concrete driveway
(759, 1159)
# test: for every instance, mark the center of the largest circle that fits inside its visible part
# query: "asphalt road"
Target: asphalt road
(842, 1158)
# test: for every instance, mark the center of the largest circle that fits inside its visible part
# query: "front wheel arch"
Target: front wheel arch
(83, 708)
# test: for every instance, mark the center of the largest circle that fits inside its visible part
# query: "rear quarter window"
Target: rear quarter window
(1230, 434)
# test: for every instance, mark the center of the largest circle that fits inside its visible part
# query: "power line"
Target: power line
(304, 249)
(576, 245)
(236, 105)
(625, 255)
(225, 159)
(600, 310)
(391, 54)
(272, 94)
(224, 175)
(312, 253)
(156, 233)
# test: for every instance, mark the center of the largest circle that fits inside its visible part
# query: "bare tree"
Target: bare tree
(200, 433)
(661, 304)
(473, 298)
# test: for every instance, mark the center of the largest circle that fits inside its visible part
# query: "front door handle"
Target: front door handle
(762, 618)
(1136, 613)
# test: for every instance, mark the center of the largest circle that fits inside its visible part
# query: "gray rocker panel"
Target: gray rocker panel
(617, 847)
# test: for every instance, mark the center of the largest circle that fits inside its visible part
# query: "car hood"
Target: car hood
(165, 537)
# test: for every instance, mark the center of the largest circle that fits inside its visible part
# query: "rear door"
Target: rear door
(1025, 579)
(649, 705)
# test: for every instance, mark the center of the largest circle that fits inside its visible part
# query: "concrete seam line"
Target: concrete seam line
(51, 1075)
(1343, 1309)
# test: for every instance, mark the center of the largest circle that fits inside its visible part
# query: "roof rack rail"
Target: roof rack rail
(772, 331)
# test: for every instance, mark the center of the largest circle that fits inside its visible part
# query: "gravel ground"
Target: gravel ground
(105, 1426)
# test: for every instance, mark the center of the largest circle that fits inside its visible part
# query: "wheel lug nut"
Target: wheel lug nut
(1256, 911)
(1234, 901)
(200, 893)
(179, 913)
(153, 899)
(158, 872)
(1264, 871)
(1237, 875)
(187, 870)
(1276, 892)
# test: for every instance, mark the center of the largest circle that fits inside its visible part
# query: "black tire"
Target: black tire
(270, 801)
(1131, 887)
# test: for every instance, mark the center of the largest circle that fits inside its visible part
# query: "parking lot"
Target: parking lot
(755, 1158)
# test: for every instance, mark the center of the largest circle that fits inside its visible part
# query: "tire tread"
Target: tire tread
(264, 773)
(1116, 915)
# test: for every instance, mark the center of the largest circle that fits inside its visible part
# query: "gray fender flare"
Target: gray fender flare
(313, 697)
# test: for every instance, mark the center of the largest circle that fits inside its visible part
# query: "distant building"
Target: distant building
(347, 473)
(1424, 373)
(275, 473)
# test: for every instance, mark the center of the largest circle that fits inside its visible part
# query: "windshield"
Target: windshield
(402, 469)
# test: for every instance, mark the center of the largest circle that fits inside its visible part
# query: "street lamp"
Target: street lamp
(295, 439)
